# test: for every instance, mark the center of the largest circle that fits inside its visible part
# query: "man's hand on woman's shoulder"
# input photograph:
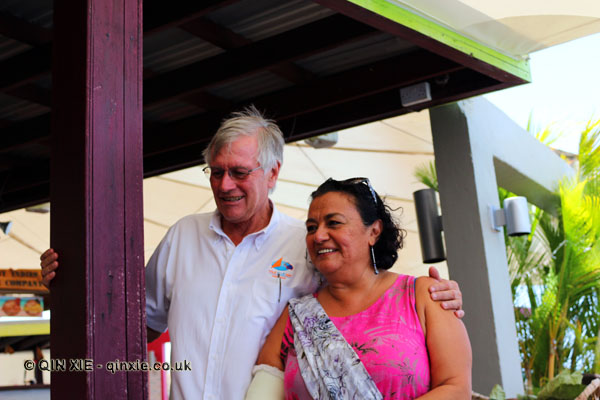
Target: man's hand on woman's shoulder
(447, 292)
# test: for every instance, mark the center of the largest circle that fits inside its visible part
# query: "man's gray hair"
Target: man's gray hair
(249, 122)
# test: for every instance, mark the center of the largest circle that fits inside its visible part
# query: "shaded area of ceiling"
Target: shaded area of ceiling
(311, 67)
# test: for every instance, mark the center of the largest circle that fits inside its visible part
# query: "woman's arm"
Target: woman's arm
(448, 346)
(267, 375)
(269, 354)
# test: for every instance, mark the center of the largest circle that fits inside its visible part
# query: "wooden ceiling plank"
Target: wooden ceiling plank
(35, 194)
(215, 34)
(25, 67)
(207, 101)
(227, 39)
(160, 15)
(286, 47)
(32, 93)
(25, 177)
(24, 133)
(24, 31)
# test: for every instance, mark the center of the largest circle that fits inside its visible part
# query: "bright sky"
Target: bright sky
(565, 90)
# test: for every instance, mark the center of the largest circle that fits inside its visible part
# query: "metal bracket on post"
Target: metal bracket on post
(497, 218)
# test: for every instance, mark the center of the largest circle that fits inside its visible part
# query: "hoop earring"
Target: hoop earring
(374, 262)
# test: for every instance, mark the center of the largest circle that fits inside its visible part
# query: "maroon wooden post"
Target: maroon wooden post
(97, 296)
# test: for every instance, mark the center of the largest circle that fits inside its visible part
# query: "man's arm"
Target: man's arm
(447, 292)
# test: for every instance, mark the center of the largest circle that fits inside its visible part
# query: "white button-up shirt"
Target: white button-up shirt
(220, 301)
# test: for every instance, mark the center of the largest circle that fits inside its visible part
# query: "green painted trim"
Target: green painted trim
(25, 329)
(519, 68)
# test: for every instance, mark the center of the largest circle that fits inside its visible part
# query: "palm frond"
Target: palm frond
(427, 175)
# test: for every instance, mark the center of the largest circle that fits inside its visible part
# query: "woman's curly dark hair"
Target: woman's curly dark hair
(360, 190)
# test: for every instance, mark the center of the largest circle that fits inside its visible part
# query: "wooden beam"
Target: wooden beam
(215, 34)
(227, 39)
(37, 192)
(160, 15)
(96, 166)
(286, 47)
(429, 35)
(24, 31)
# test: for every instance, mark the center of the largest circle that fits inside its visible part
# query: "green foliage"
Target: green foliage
(565, 386)
(426, 175)
(559, 264)
(497, 393)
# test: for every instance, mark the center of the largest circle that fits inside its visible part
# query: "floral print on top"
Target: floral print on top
(388, 339)
(329, 366)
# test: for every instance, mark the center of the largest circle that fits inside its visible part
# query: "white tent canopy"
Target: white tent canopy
(515, 28)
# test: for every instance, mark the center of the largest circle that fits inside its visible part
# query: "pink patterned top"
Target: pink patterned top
(388, 339)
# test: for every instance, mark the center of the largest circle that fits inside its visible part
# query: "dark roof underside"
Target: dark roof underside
(312, 68)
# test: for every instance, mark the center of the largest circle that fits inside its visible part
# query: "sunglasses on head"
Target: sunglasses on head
(361, 181)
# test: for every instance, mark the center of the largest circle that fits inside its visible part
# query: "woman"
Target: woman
(407, 346)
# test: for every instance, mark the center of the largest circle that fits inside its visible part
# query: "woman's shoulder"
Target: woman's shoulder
(422, 285)
(424, 282)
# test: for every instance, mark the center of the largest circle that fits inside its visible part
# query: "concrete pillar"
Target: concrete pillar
(477, 148)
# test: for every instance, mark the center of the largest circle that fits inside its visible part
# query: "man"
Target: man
(220, 280)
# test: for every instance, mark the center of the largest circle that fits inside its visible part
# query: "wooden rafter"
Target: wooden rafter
(24, 31)
(255, 57)
(227, 39)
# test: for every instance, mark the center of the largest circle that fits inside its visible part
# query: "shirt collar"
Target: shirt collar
(259, 237)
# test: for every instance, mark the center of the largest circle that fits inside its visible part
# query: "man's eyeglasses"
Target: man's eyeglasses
(359, 181)
(236, 173)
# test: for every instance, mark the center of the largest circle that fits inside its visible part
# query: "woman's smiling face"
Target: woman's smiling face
(336, 236)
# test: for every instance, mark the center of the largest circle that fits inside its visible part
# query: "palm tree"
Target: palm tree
(559, 265)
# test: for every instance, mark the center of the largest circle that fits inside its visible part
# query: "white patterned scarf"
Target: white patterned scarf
(329, 366)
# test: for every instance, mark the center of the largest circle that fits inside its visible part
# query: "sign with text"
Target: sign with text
(21, 281)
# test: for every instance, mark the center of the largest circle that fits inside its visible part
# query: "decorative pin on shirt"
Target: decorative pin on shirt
(281, 270)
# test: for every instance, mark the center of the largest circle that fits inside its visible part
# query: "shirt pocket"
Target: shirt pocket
(269, 297)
